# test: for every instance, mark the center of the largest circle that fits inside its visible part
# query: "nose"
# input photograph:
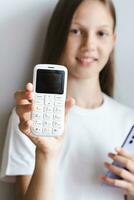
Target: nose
(89, 42)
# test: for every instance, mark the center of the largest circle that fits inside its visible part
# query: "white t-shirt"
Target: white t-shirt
(90, 135)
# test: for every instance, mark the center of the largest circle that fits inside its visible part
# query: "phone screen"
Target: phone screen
(50, 81)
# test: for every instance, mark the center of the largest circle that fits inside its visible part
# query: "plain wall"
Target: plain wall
(125, 52)
(23, 27)
(22, 31)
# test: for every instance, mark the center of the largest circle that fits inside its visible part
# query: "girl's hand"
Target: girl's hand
(127, 173)
(49, 146)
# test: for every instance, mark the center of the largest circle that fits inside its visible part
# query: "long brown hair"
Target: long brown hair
(57, 36)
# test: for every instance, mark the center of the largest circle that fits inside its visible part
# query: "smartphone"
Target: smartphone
(49, 95)
(128, 145)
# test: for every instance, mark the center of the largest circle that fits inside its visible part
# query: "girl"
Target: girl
(81, 36)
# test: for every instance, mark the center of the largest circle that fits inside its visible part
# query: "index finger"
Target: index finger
(124, 153)
(23, 97)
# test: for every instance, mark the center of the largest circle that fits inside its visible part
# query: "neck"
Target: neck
(86, 92)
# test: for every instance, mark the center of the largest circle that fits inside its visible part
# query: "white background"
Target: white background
(22, 33)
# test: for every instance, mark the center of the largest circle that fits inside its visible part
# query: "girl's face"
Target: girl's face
(90, 40)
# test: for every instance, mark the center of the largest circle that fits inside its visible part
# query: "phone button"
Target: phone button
(49, 100)
(58, 117)
(57, 124)
(48, 116)
(47, 131)
(58, 98)
(39, 99)
(58, 109)
(39, 108)
(47, 123)
(37, 116)
(57, 131)
(48, 108)
(37, 129)
(58, 103)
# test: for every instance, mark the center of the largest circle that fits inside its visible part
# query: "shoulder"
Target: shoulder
(119, 109)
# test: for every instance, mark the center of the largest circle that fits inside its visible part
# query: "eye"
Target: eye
(102, 34)
(75, 31)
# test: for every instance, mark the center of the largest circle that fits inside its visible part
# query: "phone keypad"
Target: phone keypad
(48, 116)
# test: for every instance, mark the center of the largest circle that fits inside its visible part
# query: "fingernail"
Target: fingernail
(110, 155)
(106, 164)
(117, 149)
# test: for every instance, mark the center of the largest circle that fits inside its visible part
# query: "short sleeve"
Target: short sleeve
(18, 153)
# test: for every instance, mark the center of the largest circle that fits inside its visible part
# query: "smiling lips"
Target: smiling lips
(86, 61)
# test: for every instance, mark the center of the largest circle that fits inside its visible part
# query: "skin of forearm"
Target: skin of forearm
(41, 186)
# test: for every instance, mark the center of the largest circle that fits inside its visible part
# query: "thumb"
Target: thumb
(29, 87)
